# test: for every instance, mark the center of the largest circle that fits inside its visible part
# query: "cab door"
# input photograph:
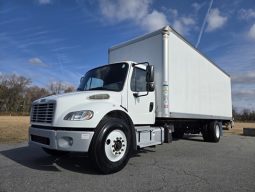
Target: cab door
(141, 104)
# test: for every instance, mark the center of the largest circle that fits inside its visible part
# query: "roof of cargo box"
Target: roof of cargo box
(143, 37)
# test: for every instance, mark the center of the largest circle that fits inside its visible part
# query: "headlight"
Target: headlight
(79, 115)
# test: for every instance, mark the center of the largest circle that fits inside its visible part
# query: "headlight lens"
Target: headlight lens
(79, 115)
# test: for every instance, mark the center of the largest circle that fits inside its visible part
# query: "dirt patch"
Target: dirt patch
(238, 128)
(13, 129)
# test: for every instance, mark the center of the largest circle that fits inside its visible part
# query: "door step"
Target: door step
(148, 136)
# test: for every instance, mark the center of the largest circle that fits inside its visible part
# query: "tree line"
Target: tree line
(244, 115)
(17, 93)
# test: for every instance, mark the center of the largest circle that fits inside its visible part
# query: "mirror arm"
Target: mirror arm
(134, 64)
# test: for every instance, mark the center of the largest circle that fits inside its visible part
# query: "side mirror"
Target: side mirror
(150, 73)
(150, 86)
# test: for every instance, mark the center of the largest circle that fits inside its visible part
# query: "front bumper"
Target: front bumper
(71, 140)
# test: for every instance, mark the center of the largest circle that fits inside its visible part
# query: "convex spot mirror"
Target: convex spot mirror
(150, 73)
(150, 78)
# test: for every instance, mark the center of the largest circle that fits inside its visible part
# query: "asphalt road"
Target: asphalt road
(184, 165)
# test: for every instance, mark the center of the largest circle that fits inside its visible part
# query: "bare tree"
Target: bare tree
(12, 92)
(33, 93)
(69, 88)
(60, 87)
(244, 115)
(16, 94)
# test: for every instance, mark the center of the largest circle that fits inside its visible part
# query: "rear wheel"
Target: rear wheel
(54, 153)
(110, 148)
(212, 131)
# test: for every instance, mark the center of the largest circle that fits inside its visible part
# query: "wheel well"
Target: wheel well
(122, 115)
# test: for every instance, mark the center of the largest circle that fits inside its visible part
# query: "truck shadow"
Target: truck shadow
(193, 137)
(35, 158)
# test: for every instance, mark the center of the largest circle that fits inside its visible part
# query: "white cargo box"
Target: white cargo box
(188, 85)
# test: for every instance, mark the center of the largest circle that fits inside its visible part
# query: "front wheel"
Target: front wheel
(110, 148)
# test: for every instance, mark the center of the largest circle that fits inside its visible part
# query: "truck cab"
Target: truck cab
(99, 118)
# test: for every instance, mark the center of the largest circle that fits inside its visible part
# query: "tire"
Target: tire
(211, 132)
(205, 132)
(111, 145)
(54, 153)
(206, 136)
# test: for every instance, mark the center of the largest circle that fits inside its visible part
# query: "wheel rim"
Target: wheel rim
(115, 145)
(217, 131)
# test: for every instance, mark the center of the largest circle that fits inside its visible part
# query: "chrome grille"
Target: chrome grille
(43, 112)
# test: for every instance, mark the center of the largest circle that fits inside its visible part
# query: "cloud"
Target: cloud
(197, 6)
(244, 78)
(62, 58)
(173, 13)
(244, 99)
(65, 48)
(26, 43)
(187, 21)
(139, 12)
(242, 71)
(251, 32)
(37, 61)
(154, 20)
(121, 10)
(241, 68)
(244, 94)
(215, 20)
(44, 2)
(246, 14)
(143, 14)
(181, 23)
(233, 61)
(13, 20)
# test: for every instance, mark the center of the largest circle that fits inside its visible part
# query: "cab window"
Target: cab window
(138, 80)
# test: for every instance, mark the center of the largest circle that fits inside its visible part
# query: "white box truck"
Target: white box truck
(157, 86)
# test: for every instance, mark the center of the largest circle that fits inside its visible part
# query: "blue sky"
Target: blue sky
(59, 40)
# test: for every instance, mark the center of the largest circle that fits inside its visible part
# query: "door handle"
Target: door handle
(151, 106)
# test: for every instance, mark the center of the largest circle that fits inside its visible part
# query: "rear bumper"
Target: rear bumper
(71, 140)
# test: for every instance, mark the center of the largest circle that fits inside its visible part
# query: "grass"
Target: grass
(14, 129)
(238, 128)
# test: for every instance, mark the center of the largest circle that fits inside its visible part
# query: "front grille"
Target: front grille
(43, 112)
(39, 139)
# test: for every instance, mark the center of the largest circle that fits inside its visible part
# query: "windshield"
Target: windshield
(109, 77)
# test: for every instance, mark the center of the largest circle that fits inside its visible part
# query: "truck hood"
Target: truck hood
(82, 97)
(100, 102)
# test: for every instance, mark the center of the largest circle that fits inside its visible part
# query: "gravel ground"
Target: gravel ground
(184, 165)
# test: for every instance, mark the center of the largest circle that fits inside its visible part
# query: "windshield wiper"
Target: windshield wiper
(100, 88)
